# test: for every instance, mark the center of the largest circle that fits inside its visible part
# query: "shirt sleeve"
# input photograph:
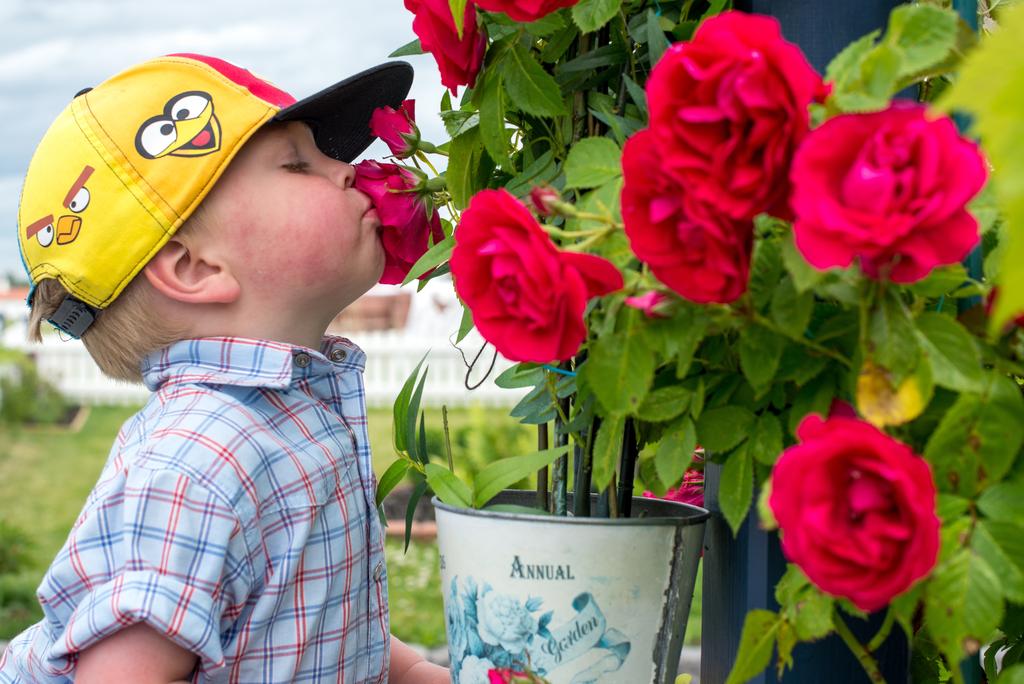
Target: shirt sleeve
(171, 554)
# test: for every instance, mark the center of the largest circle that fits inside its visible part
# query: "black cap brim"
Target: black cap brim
(340, 114)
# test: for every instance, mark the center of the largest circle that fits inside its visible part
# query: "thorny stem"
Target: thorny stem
(883, 631)
(863, 656)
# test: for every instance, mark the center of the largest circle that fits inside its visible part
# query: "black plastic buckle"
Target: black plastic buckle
(73, 317)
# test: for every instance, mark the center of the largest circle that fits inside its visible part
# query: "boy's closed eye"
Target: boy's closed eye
(296, 166)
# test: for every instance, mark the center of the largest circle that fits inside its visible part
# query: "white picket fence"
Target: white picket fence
(391, 356)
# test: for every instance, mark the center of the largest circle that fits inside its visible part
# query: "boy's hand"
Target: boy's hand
(137, 654)
(408, 667)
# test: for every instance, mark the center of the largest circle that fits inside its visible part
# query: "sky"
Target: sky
(50, 50)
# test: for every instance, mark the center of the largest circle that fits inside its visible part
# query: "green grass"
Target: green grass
(46, 474)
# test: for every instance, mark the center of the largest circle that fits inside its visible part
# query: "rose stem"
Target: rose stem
(542, 474)
(560, 476)
(863, 657)
(447, 437)
(584, 462)
(628, 468)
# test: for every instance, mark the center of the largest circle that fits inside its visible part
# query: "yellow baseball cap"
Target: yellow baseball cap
(127, 162)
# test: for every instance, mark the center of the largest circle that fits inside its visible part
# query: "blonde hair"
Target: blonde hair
(124, 332)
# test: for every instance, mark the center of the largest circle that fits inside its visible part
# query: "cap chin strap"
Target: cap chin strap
(73, 316)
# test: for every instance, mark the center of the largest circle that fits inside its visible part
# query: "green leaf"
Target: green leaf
(542, 170)
(519, 510)
(924, 34)
(675, 451)
(469, 167)
(1012, 675)
(411, 415)
(448, 487)
(530, 88)
(978, 437)
(458, 8)
(1002, 547)
(390, 479)
(665, 403)
(963, 599)
(766, 439)
(547, 25)
(721, 429)
(765, 271)
(490, 97)
(620, 368)
(465, 325)
(593, 162)
(591, 15)
(637, 92)
(790, 308)
(520, 375)
(953, 354)
(419, 487)
(760, 351)
(940, 281)
(411, 48)
(874, 83)
(607, 448)
(891, 337)
(756, 643)
(736, 488)
(657, 41)
(804, 605)
(1004, 502)
(433, 258)
(401, 408)
(814, 397)
(995, 105)
(845, 67)
(497, 476)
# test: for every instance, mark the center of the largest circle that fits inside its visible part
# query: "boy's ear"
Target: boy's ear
(194, 277)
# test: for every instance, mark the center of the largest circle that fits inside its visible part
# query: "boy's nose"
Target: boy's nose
(344, 175)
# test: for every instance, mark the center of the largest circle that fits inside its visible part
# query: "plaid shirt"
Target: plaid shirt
(236, 516)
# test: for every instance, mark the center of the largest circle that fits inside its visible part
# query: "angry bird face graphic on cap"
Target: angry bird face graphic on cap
(66, 228)
(186, 128)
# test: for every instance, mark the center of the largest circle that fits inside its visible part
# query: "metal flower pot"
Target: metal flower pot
(578, 600)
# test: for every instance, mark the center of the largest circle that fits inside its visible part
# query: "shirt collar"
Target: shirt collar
(248, 362)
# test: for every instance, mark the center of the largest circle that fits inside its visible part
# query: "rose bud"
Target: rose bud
(397, 128)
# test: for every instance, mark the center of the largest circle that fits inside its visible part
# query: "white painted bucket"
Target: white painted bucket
(578, 600)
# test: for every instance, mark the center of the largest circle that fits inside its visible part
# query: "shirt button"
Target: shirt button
(378, 571)
(302, 359)
(338, 355)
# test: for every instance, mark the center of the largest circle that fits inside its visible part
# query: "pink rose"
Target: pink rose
(397, 128)
(407, 229)
(856, 509)
(507, 675)
(887, 188)
(458, 59)
(651, 303)
(526, 295)
(525, 10)
(701, 254)
(730, 108)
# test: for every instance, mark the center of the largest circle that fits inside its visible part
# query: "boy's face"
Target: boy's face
(297, 231)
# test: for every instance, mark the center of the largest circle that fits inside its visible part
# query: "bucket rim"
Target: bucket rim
(686, 514)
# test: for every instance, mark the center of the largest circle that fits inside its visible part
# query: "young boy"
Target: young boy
(198, 229)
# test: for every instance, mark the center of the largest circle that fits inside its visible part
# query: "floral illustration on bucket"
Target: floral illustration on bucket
(490, 630)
